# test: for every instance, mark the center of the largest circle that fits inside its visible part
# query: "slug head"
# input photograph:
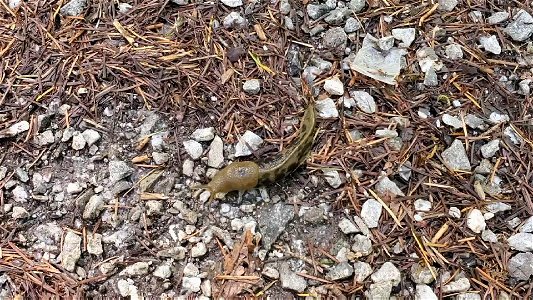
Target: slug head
(237, 176)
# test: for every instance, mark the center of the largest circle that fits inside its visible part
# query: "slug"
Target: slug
(245, 175)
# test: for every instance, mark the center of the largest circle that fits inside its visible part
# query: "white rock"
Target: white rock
(498, 17)
(387, 272)
(333, 178)
(527, 226)
(93, 207)
(454, 212)
(387, 186)
(45, 138)
(234, 20)
(490, 44)
(489, 149)
(424, 292)
(447, 5)
(198, 250)
(365, 102)
(19, 212)
(94, 243)
(455, 156)
(160, 158)
(191, 284)
(497, 118)
(252, 86)
(475, 221)
(334, 86)
(460, 285)
(521, 241)
(371, 212)
(78, 141)
(91, 136)
(489, 236)
(188, 168)
(362, 245)
(248, 139)
(347, 227)
(71, 251)
(20, 194)
(422, 205)
(203, 134)
(127, 288)
(386, 133)
(193, 148)
(326, 109)
(15, 129)
(454, 51)
(74, 188)
(232, 3)
(452, 121)
(163, 271)
(406, 35)
(215, 156)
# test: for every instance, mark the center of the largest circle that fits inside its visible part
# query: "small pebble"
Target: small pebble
(203, 134)
(249, 139)
(327, 109)
(475, 221)
(252, 86)
(193, 148)
(334, 86)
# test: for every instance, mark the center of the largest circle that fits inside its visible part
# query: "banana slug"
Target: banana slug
(245, 175)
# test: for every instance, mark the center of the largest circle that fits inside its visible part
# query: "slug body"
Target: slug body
(245, 175)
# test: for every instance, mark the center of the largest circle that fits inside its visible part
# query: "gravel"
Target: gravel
(362, 245)
(406, 35)
(347, 227)
(334, 86)
(252, 86)
(290, 280)
(340, 271)
(365, 102)
(215, 156)
(424, 292)
(333, 178)
(326, 109)
(193, 148)
(203, 134)
(521, 266)
(371, 212)
(521, 28)
(489, 149)
(521, 241)
(475, 221)
(455, 157)
(459, 285)
(71, 251)
(490, 44)
(247, 141)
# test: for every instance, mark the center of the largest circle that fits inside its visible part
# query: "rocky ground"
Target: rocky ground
(418, 186)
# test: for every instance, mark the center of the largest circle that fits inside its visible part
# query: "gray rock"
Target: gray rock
(406, 35)
(188, 168)
(335, 38)
(154, 207)
(387, 273)
(371, 212)
(39, 184)
(489, 149)
(352, 25)
(215, 156)
(512, 135)
(94, 206)
(91, 136)
(454, 212)
(19, 212)
(185, 214)
(386, 43)
(248, 140)
(3, 172)
(333, 178)
(118, 170)
(310, 73)
(361, 270)
(20, 194)
(15, 129)
(177, 253)
(334, 86)
(94, 243)
(524, 88)
(474, 122)
(490, 44)
(385, 186)
(45, 138)
(336, 16)
(476, 16)
(137, 269)
(484, 168)
(454, 51)
(71, 251)
(203, 134)
(521, 241)
(73, 8)
(163, 271)
(362, 245)
(123, 8)
(498, 17)
(422, 205)
(121, 186)
(527, 226)
(272, 221)
(191, 270)
(232, 3)
(198, 250)
(234, 20)
(430, 77)
(191, 284)
(78, 141)
(380, 290)
(314, 215)
(22, 175)
(522, 26)
(285, 7)
(67, 134)
(127, 288)
(468, 296)
(452, 121)
(270, 272)
(340, 271)
(327, 109)
(475, 221)
(386, 133)
(252, 86)
(424, 292)
(521, 266)
(193, 148)
(489, 236)
(365, 102)
(120, 237)
(315, 11)
(455, 157)
(422, 274)
(347, 227)
(357, 5)
(496, 207)
(290, 280)
(160, 158)
(206, 289)
(460, 285)
(447, 5)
